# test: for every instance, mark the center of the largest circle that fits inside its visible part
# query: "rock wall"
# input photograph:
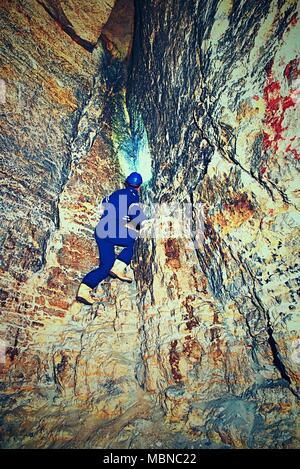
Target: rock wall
(63, 111)
(201, 350)
(215, 85)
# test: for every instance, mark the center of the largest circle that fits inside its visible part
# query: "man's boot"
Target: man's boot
(84, 295)
(118, 270)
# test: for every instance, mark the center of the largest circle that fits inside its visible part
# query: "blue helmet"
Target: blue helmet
(134, 179)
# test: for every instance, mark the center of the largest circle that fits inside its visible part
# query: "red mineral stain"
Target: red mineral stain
(174, 361)
(172, 252)
(294, 19)
(291, 71)
(191, 348)
(276, 106)
(235, 212)
(293, 151)
(215, 338)
(190, 319)
(239, 203)
(58, 303)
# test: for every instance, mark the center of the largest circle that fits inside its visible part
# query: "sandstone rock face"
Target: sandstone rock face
(201, 350)
(216, 86)
(81, 20)
(118, 31)
(62, 110)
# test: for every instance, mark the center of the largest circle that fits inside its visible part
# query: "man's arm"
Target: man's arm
(136, 216)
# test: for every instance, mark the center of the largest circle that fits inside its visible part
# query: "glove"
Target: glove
(131, 226)
(147, 227)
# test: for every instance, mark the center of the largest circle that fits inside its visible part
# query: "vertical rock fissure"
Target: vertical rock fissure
(277, 361)
(276, 357)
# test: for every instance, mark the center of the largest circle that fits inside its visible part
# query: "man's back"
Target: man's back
(127, 192)
(121, 199)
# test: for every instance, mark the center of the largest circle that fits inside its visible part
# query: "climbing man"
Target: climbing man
(118, 226)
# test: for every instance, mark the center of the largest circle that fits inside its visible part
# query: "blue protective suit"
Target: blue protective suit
(120, 208)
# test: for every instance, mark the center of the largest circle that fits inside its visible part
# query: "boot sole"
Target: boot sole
(80, 299)
(113, 275)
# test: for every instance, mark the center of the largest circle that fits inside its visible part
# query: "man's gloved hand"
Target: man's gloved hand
(131, 226)
(146, 226)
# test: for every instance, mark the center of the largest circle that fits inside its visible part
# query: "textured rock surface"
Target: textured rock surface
(220, 322)
(58, 161)
(118, 31)
(200, 350)
(83, 21)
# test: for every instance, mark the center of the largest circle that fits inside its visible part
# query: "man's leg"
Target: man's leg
(93, 278)
(127, 253)
(106, 260)
(123, 259)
